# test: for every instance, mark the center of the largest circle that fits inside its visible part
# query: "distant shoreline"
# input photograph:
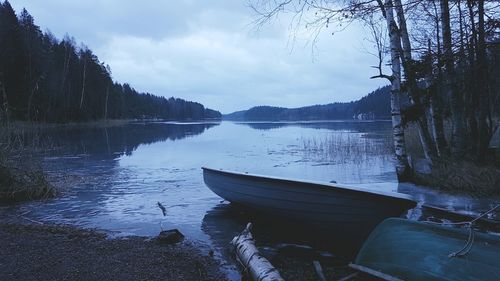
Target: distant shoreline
(98, 123)
(307, 120)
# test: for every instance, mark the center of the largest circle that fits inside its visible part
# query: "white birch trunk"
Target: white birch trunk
(258, 267)
(423, 129)
(83, 83)
(403, 30)
(402, 167)
(106, 104)
(5, 104)
(67, 58)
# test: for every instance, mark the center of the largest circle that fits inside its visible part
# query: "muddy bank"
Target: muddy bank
(48, 252)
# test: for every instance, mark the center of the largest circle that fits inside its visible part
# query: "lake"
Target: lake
(113, 177)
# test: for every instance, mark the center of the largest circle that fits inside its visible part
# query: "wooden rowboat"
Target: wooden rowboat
(412, 250)
(351, 211)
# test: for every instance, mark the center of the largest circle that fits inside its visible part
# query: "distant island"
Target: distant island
(375, 105)
(44, 79)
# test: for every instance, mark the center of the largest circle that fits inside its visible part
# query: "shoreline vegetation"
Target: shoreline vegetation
(460, 177)
(464, 175)
(18, 184)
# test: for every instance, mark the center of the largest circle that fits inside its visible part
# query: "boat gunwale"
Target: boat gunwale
(317, 184)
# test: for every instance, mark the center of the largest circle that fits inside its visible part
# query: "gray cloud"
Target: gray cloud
(208, 51)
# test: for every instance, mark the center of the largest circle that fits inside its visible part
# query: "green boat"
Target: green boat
(411, 250)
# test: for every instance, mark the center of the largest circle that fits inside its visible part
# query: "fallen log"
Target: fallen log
(257, 266)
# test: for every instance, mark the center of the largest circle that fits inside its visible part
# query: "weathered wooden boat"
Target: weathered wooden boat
(332, 208)
(412, 250)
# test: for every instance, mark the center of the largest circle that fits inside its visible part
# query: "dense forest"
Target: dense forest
(375, 105)
(50, 80)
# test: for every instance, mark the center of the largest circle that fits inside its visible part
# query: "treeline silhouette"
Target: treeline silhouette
(375, 105)
(50, 80)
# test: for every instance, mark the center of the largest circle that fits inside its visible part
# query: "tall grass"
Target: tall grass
(346, 147)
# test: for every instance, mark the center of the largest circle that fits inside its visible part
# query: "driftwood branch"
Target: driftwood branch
(257, 266)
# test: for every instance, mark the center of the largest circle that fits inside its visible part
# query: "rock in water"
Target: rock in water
(171, 236)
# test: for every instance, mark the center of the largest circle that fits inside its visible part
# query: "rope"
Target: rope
(467, 223)
(468, 246)
(491, 210)
(470, 240)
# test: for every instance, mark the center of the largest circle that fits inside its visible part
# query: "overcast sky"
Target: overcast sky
(210, 52)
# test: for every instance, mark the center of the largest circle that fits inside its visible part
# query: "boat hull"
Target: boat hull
(413, 250)
(350, 211)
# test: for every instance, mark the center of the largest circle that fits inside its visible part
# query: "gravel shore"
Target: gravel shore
(50, 252)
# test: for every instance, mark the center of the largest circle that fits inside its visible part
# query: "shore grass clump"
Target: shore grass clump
(462, 177)
(20, 185)
(21, 178)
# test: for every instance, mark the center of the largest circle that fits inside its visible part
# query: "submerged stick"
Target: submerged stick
(258, 267)
(319, 270)
(162, 208)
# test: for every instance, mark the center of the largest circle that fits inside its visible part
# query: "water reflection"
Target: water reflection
(113, 142)
(344, 125)
(225, 221)
(100, 190)
(451, 202)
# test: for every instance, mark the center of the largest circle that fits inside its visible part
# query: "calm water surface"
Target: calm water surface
(114, 177)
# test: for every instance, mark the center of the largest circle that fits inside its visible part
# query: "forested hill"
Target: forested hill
(375, 105)
(45, 79)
